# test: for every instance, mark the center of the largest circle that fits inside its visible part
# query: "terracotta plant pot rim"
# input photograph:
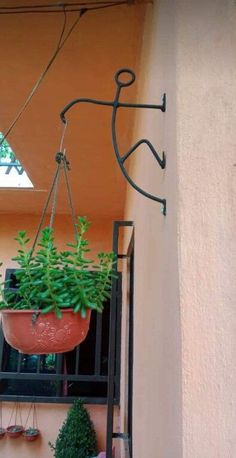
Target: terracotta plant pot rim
(13, 434)
(35, 433)
(31, 437)
(9, 428)
(2, 432)
(25, 432)
(66, 310)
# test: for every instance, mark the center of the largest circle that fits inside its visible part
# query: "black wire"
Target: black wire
(59, 46)
(82, 12)
(52, 5)
(71, 10)
(107, 6)
(63, 28)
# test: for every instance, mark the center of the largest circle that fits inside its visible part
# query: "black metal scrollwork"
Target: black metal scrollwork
(124, 78)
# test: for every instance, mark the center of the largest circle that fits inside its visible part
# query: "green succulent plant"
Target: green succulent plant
(51, 280)
(15, 428)
(31, 432)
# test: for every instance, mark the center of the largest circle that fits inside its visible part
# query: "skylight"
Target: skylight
(12, 174)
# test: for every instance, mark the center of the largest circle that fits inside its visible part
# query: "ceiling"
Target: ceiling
(103, 41)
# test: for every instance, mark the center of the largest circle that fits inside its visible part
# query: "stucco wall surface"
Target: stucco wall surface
(185, 321)
(157, 422)
(206, 140)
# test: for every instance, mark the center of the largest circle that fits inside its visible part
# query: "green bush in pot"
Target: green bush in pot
(77, 437)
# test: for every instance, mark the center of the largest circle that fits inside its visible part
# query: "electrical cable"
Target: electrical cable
(59, 46)
(69, 9)
(52, 5)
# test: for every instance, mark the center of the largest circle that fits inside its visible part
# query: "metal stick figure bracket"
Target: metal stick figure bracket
(115, 105)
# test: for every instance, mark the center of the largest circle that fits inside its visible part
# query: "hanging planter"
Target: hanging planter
(31, 433)
(2, 433)
(2, 430)
(56, 290)
(15, 430)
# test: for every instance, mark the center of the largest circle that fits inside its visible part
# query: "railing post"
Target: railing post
(113, 373)
(111, 352)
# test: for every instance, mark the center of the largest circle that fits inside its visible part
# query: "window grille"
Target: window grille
(12, 174)
(7, 158)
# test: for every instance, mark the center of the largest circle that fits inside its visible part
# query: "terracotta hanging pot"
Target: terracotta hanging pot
(14, 431)
(31, 332)
(31, 434)
(2, 433)
(2, 430)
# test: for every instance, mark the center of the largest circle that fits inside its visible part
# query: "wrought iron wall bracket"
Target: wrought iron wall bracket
(115, 104)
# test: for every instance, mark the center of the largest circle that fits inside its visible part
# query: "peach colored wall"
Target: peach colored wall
(50, 416)
(185, 322)
(50, 419)
(102, 42)
(157, 413)
(206, 66)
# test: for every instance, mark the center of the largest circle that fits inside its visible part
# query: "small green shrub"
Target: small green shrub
(77, 437)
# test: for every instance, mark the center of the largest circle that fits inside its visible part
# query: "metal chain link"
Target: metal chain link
(62, 163)
(54, 198)
(69, 195)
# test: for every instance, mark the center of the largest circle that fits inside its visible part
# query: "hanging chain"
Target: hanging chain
(60, 157)
(63, 136)
(16, 410)
(9, 424)
(1, 414)
(35, 419)
(69, 194)
(31, 406)
(19, 411)
(62, 163)
(45, 210)
(34, 416)
(55, 190)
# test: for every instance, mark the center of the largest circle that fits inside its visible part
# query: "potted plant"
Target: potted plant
(14, 431)
(57, 290)
(31, 434)
(77, 437)
(2, 430)
(2, 433)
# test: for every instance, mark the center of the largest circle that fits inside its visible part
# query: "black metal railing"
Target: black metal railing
(125, 436)
(92, 370)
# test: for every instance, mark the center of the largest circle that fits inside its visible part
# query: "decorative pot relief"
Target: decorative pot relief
(47, 334)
